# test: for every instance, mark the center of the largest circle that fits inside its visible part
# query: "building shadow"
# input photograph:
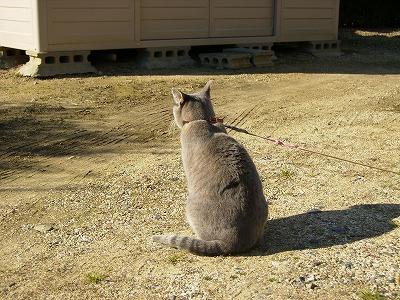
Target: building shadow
(323, 229)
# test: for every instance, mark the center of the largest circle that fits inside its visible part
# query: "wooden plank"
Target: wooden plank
(309, 3)
(15, 27)
(181, 13)
(241, 3)
(15, 3)
(90, 15)
(16, 14)
(242, 27)
(175, 3)
(243, 13)
(89, 4)
(174, 29)
(308, 24)
(308, 35)
(304, 13)
(22, 41)
(85, 32)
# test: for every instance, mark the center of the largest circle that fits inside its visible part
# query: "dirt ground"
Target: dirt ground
(90, 169)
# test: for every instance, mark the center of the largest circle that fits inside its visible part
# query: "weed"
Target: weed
(366, 295)
(272, 279)
(286, 173)
(95, 277)
(175, 258)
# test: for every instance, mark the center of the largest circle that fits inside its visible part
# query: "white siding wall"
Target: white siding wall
(16, 25)
(58, 25)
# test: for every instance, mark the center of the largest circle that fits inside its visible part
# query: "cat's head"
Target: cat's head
(191, 107)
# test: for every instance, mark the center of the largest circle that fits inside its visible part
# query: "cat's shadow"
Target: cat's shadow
(327, 228)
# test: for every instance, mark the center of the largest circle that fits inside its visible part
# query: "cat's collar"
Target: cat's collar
(212, 120)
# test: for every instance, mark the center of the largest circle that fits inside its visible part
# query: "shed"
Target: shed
(47, 27)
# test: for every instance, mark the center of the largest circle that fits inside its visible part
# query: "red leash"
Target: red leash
(282, 143)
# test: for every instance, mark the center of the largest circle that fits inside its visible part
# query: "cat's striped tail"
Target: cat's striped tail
(193, 245)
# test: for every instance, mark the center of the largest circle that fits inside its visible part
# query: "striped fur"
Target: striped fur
(193, 245)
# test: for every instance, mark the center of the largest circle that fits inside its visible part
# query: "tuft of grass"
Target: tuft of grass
(286, 173)
(95, 277)
(272, 279)
(366, 295)
(175, 258)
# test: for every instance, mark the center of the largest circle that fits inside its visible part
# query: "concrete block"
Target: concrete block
(324, 48)
(57, 63)
(259, 46)
(259, 58)
(10, 57)
(226, 60)
(104, 56)
(165, 58)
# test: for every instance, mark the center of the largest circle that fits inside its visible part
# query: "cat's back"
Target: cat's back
(213, 158)
(209, 142)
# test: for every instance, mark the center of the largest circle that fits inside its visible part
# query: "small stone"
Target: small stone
(348, 265)
(311, 286)
(43, 228)
(84, 239)
(317, 263)
(391, 280)
(310, 278)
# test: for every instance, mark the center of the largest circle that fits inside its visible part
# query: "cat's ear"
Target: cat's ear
(179, 97)
(207, 89)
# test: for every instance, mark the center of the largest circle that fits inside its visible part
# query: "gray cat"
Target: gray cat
(226, 207)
